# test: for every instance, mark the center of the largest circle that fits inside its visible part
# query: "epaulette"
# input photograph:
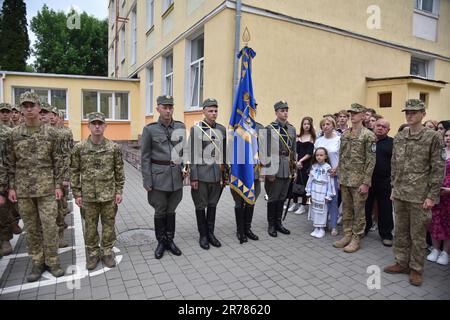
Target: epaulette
(151, 124)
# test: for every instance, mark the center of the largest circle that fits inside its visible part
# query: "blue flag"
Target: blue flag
(242, 122)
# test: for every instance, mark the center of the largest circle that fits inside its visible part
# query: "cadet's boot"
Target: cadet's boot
(36, 272)
(248, 213)
(211, 220)
(160, 233)
(6, 248)
(343, 242)
(202, 229)
(62, 242)
(279, 215)
(353, 246)
(15, 228)
(56, 271)
(396, 268)
(415, 278)
(92, 262)
(271, 207)
(240, 224)
(109, 260)
(170, 234)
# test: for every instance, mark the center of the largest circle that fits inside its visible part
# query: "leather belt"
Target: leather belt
(163, 163)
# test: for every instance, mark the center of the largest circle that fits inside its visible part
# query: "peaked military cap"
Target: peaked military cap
(209, 103)
(29, 97)
(96, 116)
(46, 107)
(5, 106)
(16, 107)
(414, 105)
(357, 108)
(281, 105)
(165, 100)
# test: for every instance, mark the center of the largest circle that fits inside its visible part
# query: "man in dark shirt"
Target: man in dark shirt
(381, 184)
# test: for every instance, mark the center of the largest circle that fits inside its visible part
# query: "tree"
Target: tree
(14, 42)
(65, 47)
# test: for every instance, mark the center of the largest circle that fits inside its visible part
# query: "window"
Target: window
(112, 13)
(111, 60)
(385, 99)
(419, 67)
(150, 13)
(149, 109)
(168, 75)
(122, 44)
(133, 36)
(113, 104)
(55, 97)
(424, 97)
(196, 71)
(425, 5)
(167, 4)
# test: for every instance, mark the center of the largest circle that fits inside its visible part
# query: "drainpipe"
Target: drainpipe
(236, 47)
(2, 78)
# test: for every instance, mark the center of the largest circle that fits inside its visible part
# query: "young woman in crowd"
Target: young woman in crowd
(431, 124)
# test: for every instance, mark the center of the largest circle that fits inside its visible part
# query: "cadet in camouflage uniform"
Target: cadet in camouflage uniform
(357, 157)
(97, 178)
(3, 197)
(15, 115)
(35, 182)
(68, 144)
(277, 186)
(162, 148)
(418, 165)
(5, 114)
(6, 233)
(46, 113)
(207, 175)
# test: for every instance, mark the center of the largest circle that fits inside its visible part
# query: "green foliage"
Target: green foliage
(14, 42)
(62, 48)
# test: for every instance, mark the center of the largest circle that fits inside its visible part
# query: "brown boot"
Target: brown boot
(109, 261)
(343, 242)
(353, 246)
(62, 243)
(415, 278)
(6, 248)
(396, 268)
(15, 228)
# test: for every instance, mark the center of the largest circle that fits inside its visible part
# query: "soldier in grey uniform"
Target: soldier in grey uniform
(208, 173)
(162, 171)
(277, 185)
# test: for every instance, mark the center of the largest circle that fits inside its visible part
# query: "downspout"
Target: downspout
(2, 78)
(236, 47)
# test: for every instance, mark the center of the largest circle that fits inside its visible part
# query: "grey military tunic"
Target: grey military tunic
(207, 160)
(161, 161)
(278, 189)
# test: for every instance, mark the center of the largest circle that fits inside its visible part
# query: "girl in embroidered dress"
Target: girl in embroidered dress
(321, 189)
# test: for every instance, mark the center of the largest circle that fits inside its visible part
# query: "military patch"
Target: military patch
(444, 154)
(373, 147)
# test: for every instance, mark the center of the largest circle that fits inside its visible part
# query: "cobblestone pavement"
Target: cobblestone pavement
(287, 267)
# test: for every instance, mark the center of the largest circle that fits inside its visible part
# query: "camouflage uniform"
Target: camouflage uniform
(208, 151)
(5, 210)
(418, 165)
(7, 107)
(357, 156)
(18, 109)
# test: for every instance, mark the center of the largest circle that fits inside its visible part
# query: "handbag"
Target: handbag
(299, 189)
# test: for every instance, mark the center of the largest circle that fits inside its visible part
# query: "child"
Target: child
(320, 188)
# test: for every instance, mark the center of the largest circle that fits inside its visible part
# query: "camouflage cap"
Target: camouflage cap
(96, 116)
(209, 103)
(61, 114)
(414, 105)
(357, 108)
(281, 105)
(55, 110)
(46, 107)
(29, 97)
(16, 107)
(165, 100)
(5, 106)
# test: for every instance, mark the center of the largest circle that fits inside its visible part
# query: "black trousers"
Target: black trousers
(380, 192)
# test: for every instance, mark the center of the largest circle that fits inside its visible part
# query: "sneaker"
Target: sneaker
(387, 242)
(301, 210)
(266, 197)
(433, 256)
(314, 233)
(374, 227)
(293, 207)
(443, 259)
(321, 233)
(334, 232)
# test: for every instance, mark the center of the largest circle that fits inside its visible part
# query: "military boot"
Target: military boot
(202, 229)
(62, 242)
(211, 220)
(109, 260)
(15, 228)
(271, 207)
(240, 224)
(56, 270)
(6, 248)
(160, 233)
(248, 213)
(396, 268)
(170, 234)
(415, 278)
(36, 271)
(92, 262)
(279, 215)
(353, 246)
(343, 242)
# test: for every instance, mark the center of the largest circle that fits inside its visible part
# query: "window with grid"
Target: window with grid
(150, 13)
(196, 71)
(168, 75)
(425, 5)
(122, 44)
(149, 109)
(133, 35)
(55, 97)
(113, 104)
(419, 67)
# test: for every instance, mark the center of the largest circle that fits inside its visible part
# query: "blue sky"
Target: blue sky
(97, 8)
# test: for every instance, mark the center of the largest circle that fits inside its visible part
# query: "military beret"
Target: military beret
(165, 100)
(29, 97)
(16, 107)
(281, 105)
(357, 108)
(96, 116)
(5, 106)
(45, 106)
(414, 105)
(209, 103)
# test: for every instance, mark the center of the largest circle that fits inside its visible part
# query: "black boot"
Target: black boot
(160, 233)
(170, 234)
(211, 219)
(279, 214)
(240, 224)
(248, 214)
(271, 212)
(202, 229)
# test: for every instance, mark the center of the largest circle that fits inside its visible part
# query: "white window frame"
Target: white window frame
(166, 76)
(150, 14)
(429, 66)
(419, 6)
(196, 64)
(49, 97)
(112, 11)
(167, 4)
(113, 103)
(122, 44)
(189, 67)
(133, 36)
(150, 91)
